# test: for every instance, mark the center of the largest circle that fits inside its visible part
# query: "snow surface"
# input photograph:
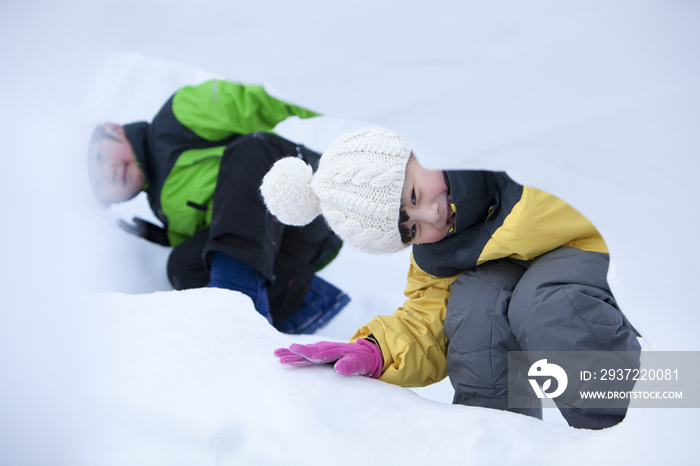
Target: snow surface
(102, 363)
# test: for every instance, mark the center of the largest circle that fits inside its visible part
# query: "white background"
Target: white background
(596, 102)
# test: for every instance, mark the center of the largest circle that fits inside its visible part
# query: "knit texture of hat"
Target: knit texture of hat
(357, 188)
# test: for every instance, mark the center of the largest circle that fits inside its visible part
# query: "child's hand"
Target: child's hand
(360, 358)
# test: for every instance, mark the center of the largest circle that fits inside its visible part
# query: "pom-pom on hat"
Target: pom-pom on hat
(357, 188)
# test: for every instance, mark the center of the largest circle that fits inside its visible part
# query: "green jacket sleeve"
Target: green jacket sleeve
(215, 110)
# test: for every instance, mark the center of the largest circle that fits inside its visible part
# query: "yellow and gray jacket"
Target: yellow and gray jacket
(495, 218)
(180, 150)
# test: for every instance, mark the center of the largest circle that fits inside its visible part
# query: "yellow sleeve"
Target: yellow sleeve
(539, 223)
(412, 341)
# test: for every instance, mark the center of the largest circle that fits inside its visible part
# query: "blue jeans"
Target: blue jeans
(322, 302)
(232, 274)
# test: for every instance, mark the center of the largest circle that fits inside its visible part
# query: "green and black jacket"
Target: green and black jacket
(180, 151)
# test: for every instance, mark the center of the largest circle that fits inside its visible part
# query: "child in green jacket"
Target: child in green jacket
(496, 268)
(201, 161)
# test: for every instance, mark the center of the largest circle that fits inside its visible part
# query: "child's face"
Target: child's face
(114, 174)
(426, 200)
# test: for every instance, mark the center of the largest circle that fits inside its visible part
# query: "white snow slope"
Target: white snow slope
(102, 363)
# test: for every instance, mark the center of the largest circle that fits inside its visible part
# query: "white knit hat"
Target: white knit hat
(357, 188)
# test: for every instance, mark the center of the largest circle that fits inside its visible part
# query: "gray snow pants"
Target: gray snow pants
(560, 301)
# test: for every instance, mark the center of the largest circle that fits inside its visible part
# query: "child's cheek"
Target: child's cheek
(434, 236)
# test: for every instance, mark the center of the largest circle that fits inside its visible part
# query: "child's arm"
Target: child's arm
(407, 348)
(412, 342)
(539, 223)
(217, 109)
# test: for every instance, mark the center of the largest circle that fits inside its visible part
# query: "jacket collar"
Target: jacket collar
(473, 194)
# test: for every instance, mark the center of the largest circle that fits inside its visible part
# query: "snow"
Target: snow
(102, 363)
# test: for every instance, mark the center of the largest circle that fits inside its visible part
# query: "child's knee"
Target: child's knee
(480, 298)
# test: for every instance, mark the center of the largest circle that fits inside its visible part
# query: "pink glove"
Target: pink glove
(360, 358)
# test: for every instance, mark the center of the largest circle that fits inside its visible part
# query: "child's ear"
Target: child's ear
(114, 129)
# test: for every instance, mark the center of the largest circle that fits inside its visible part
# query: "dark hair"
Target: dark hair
(404, 229)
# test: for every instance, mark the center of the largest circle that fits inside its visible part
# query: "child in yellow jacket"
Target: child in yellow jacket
(496, 268)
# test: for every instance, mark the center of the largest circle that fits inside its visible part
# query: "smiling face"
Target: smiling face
(425, 204)
(114, 174)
